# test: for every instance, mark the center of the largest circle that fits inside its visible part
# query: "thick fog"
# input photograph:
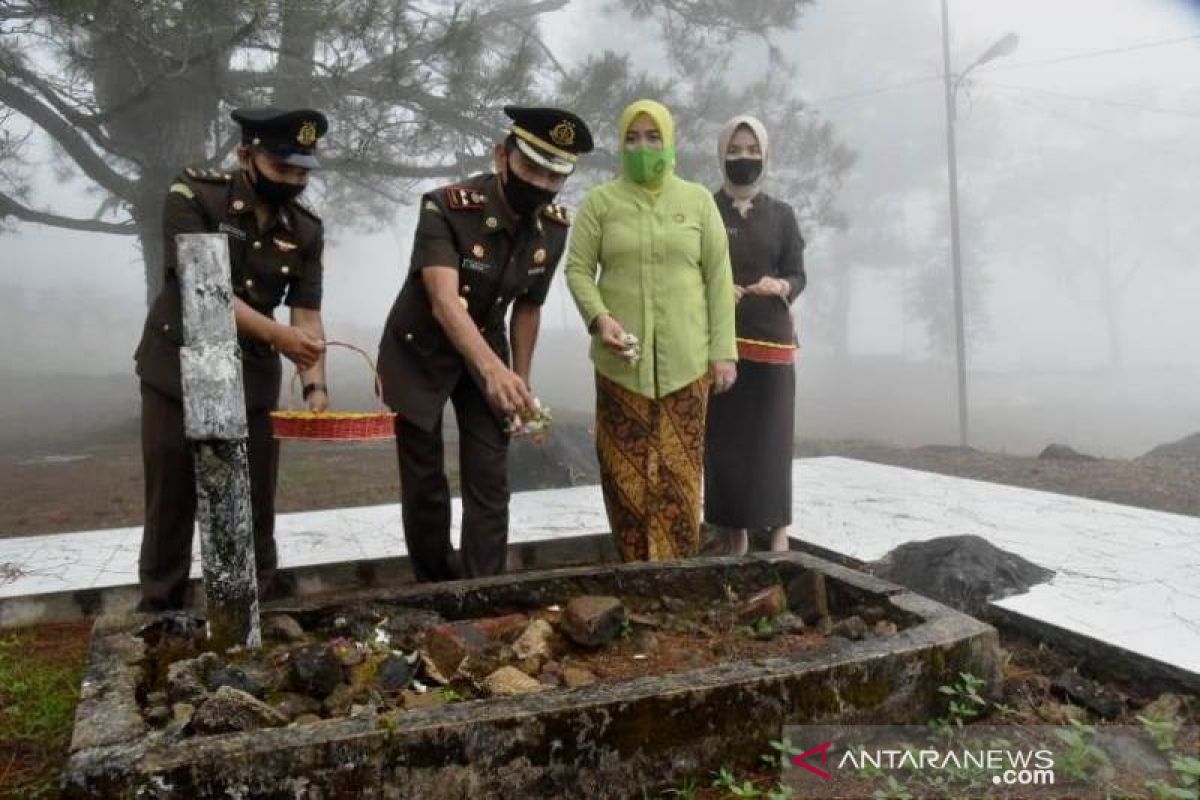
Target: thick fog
(1078, 168)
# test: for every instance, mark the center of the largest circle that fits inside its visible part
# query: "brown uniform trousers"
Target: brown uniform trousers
(499, 260)
(282, 263)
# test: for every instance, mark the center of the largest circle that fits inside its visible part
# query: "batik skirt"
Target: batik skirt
(651, 456)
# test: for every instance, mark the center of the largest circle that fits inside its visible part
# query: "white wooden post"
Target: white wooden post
(214, 418)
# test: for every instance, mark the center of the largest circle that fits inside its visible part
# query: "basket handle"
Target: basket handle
(370, 365)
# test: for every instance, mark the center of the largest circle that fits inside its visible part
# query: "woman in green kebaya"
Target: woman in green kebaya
(649, 268)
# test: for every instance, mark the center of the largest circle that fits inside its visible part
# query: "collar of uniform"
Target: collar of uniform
(241, 195)
(242, 200)
(495, 206)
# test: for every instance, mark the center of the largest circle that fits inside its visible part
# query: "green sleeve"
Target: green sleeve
(583, 261)
(718, 285)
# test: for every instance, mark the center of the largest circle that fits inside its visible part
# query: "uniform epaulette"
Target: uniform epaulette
(209, 175)
(557, 213)
(464, 197)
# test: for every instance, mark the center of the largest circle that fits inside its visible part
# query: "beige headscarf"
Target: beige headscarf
(743, 196)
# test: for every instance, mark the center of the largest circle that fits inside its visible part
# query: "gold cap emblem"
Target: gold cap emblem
(563, 134)
(308, 134)
(539, 256)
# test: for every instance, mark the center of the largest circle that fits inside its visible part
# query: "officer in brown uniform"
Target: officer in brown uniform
(275, 249)
(482, 245)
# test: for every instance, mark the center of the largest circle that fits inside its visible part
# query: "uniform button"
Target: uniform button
(408, 337)
(258, 245)
(166, 328)
(249, 283)
(499, 300)
(284, 269)
(466, 289)
(238, 205)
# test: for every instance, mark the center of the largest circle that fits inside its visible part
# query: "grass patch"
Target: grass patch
(40, 672)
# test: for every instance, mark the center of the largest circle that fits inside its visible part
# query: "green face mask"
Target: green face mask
(644, 165)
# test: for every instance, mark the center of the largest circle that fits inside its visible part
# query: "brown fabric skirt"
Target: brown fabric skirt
(651, 454)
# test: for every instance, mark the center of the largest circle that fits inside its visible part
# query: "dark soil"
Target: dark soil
(658, 636)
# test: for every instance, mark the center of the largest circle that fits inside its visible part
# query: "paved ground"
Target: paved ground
(1124, 575)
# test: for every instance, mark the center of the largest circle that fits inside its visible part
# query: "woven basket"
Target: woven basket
(335, 426)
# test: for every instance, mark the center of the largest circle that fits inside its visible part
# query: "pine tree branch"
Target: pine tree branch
(489, 19)
(10, 207)
(85, 122)
(390, 169)
(62, 132)
(439, 109)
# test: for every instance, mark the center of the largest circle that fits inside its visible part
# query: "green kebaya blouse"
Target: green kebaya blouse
(657, 261)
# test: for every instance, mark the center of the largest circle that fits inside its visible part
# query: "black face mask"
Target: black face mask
(273, 193)
(522, 196)
(743, 171)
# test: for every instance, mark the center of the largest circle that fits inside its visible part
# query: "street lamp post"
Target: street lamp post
(1002, 47)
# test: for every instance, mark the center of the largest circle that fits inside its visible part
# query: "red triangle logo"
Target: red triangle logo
(801, 760)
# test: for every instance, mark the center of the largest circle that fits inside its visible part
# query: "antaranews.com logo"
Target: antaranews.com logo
(837, 761)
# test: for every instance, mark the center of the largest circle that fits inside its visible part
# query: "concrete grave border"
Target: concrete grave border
(606, 740)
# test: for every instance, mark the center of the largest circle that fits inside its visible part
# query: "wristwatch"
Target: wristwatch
(309, 388)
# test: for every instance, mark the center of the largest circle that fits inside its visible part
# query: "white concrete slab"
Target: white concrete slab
(1124, 575)
(35, 565)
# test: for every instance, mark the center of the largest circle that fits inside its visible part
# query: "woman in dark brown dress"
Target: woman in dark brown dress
(748, 449)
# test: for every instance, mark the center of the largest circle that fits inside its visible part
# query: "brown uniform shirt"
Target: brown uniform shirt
(281, 264)
(499, 260)
(766, 242)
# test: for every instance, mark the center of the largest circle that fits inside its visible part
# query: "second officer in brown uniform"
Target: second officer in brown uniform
(275, 249)
(480, 246)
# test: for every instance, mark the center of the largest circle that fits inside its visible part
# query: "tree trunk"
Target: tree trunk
(147, 213)
(297, 46)
(165, 116)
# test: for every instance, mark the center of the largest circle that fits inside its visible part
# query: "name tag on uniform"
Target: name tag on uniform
(476, 266)
(537, 270)
(232, 230)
